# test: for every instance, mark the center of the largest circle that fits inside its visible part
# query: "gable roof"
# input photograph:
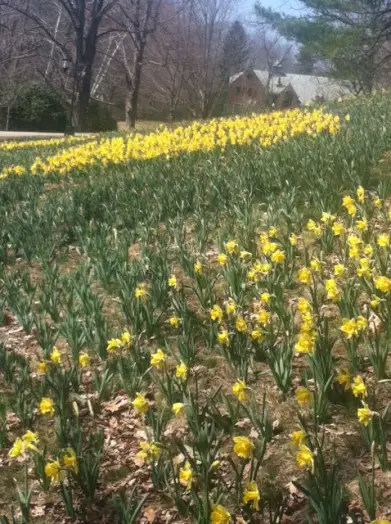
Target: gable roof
(307, 87)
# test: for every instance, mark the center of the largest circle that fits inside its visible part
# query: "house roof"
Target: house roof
(307, 87)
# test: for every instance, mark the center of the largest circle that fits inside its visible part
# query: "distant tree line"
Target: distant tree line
(113, 60)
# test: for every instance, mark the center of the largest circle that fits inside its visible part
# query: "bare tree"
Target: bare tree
(272, 54)
(209, 23)
(138, 20)
(72, 30)
(17, 51)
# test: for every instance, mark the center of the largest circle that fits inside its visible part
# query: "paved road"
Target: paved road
(5, 135)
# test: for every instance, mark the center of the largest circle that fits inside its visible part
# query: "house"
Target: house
(255, 87)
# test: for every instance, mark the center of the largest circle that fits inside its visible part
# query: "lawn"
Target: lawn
(195, 322)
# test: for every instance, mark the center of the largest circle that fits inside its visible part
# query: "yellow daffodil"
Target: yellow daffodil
(243, 447)
(158, 359)
(239, 389)
(251, 495)
(178, 409)
(303, 396)
(231, 247)
(174, 322)
(173, 282)
(359, 388)
(197, 267)
(305, 276)
(70, 460)
(240, 325)
(305, 343)
(141, 404)
(55, 356)
(278, 256)
(84, 360)
(216, 313)
(305, 458)
(46, 406)
(141, 292)
(53, 470)
(383, 240)
(149, 452)
(230, 307)
(222, 259)
(41, 368)
(298, 438)
(181, 372)
(344, 379)
(220, 515)
(383, 284)
(223, 337)
(186, 476)
(360, 194)
(293, 239)
(364, 415)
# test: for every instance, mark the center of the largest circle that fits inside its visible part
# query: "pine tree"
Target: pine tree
(235, 51)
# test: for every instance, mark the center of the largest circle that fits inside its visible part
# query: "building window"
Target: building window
(250, 91)
(238, 90)
(248, 76)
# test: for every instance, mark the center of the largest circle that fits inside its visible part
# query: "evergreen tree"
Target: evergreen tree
(235, 51)
(349, 36)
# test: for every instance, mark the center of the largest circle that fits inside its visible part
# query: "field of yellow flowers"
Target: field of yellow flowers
(195, 323)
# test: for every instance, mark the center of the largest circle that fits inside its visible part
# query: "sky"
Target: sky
(292, 7)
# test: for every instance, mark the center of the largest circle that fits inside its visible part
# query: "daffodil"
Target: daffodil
(53, 470)
(41, 368)
(222, 259)
(240, 325)
(178, 408)
(55, 356)
(181, 372)
(173, 282)
(344, 378)
(298, 437)
(231, 247)
(223, 337)
(359, 388)
(174, 322)
(251, 495)
(70, 460)
(243, 447)
(84, 360)
(220, 515)
(141, 292)
(383, 284)
(141, 404)
(364, 415)
(46, 406)
(158, 359)
(149, 451)
(305, 276)
(239, 389)
(216, 313)
(305, 458)
(303, 396)
(383, 240)
(186, 476)
(197, 267)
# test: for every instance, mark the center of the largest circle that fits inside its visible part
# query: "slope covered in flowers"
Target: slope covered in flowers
(266, 130)
(203, 337)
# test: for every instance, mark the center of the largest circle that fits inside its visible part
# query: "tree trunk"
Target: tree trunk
(133, 90)
(7, 122)
(83, 100)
